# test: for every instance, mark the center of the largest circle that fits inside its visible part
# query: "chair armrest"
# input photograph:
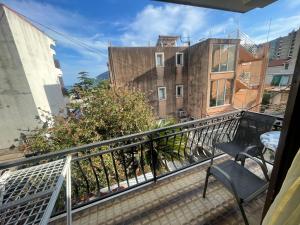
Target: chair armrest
(227, 177)
(217, 136)
(262, 166)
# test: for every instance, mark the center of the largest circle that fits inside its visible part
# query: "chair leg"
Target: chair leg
(206, 182)
(263, 160)
(243, 213)
(242, 159)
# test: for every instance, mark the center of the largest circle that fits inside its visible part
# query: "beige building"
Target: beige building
(249, 85)
(30, 77)
(210, 77)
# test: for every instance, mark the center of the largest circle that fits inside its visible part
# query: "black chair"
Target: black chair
(241, 182)
(246, 138)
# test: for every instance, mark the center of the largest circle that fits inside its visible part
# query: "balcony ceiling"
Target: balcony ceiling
(241, 6)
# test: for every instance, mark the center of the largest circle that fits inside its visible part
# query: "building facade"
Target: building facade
(30, 77)
(283, 53)
(187, 81)
(249, 85)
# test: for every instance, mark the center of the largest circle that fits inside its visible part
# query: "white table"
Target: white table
(270, 140)
(28, 196)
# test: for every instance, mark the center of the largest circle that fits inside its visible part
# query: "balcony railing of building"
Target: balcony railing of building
(103, 169)
(56, 64)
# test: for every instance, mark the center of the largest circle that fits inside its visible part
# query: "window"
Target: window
(220, 92)
(286, 66)
(223, 57)
(159, 59)
(245, 76)
(179, 59)
(280, 80)
(162, 93)
(179, 91)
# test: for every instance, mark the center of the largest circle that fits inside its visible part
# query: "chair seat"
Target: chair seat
(230, 148)
(246, 183)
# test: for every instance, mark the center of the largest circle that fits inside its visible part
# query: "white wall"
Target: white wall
(37, 59)
(28, 77)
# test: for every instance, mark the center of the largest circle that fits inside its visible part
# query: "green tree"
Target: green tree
(101, 113)
(85, 81)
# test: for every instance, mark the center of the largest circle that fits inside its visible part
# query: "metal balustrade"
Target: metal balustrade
(100, 170)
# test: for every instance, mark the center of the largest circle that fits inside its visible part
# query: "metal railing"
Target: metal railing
(102, 169)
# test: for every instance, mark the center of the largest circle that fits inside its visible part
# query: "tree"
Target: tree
(85, 82)
(102, 113)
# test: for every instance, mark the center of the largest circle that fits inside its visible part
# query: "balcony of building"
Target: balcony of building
(154, 177)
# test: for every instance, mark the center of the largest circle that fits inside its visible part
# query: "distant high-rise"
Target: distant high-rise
(283, 53)
(285, 47)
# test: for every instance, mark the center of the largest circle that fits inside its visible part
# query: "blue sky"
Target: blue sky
(137, 22)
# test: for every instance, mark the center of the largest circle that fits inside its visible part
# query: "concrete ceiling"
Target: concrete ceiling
(241, 6)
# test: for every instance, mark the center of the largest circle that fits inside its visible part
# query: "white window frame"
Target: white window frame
(163, 59)
(217, 94)
(235, 58)
(179, 53)
(181, 86)
(165, 90)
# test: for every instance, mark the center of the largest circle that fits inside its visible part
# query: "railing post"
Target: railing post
(153, 158)
(69, 195)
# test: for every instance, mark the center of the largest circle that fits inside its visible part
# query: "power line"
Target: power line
(71, 39)
(83, 45)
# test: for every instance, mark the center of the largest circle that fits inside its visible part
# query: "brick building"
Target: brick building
(186, 81)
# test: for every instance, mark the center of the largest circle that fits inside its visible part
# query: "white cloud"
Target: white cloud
(151, 21)
(223, 29)
(292, 4)
(78, 34)
(279, 27)
(163, 20)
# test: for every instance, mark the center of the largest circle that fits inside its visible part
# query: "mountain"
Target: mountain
(103, 76)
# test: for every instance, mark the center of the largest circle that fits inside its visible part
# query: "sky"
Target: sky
(83, 30)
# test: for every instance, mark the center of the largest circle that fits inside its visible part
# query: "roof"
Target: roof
(277, 62)
(166, 40)
(228, 5)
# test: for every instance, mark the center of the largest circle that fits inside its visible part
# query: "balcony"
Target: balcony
(146, 178)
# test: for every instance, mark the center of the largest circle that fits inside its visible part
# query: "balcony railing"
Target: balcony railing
(101, 170)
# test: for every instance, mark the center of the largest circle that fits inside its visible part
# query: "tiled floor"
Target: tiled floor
(174, 200)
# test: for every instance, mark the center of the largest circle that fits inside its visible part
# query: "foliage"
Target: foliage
(266, 98)
(167, 148)
(101, 113)
(85, 82)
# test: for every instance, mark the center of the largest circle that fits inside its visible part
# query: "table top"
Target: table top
(27, 196)
(270, 139)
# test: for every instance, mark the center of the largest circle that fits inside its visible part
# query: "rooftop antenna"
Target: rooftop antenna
(269, 29)
(186, 42)
(238, 29)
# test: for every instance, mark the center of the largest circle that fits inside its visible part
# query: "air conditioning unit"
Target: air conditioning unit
(181, 113)
(183, 120)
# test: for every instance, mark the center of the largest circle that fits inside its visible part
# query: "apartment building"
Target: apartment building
(185, 81)
(283, 52)
(30, 77)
